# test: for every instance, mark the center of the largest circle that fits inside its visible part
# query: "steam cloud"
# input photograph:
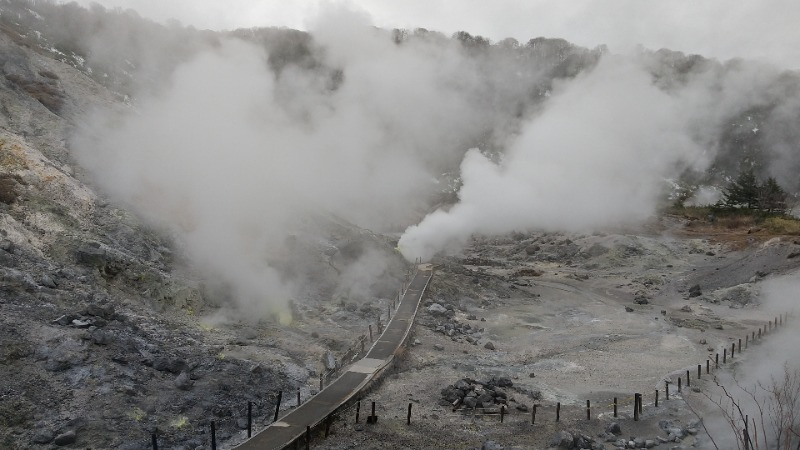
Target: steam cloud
(232, 153)
(596, 157)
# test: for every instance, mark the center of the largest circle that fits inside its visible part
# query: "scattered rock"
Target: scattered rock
(489, 346)
(439, 347)
(686, 308)
(793, 255)
(437, 309)
(641, 300)
(491, 445)
(172, 365)
(614, 428)
(42, 437)
(66, 438)
(695, 291)
(562, 439)
(703, 342)
(183, 382)
(628, 309)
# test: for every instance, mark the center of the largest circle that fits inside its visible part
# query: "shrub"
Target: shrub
(781, 225)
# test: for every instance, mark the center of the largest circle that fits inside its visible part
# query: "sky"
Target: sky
(753, 29)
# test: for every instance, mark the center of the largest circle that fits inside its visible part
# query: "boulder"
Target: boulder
(614, 428)
(489, 346)
(65, 438)
(437, 309)
(562, 439)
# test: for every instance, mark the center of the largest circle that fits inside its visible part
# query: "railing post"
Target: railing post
(213, 436)
(249, 419)
(278, 406)
(154, 439)
(615, 406)
(558, 411)
(408, 418)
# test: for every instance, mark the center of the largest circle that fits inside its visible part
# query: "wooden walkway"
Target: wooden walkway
(313, 412)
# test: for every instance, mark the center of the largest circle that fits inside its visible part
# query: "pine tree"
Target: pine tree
(772, 197)
(743, 192)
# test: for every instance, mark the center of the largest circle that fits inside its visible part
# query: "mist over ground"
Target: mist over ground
(258, 128)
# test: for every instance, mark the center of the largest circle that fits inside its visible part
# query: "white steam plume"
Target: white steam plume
(596, 157)
(230, 155)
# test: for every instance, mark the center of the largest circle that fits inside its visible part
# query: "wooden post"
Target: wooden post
(358, 409)
(588, 410)
(699, 370)
(249, 419)
(308, 437)
(746, 340)
(656, 398)
(759, 332)
(636, 407)
(321, 386)
(370, 333)
(733, 348)
(740, 345)
(666, 389)
(298, 397)
(688, 383)
(716, 361)
(502, 412)
(408, 419)
(615, 406)
(155, 441)
(328, 423)
(558, 411)
(389, 314)
(640, 403)
(213, 436)
(533, 414)
(679, 384)
(708, 363)
(278, 406)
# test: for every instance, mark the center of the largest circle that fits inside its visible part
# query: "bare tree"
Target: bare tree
(775, 406)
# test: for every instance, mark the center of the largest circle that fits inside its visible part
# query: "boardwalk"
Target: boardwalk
(291, 426)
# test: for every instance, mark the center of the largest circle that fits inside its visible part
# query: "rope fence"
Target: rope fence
(631, 406)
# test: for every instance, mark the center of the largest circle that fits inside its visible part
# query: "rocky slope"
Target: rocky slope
(103, 327)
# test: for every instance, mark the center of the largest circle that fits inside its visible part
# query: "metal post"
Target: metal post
(640, 403)
(389, 312)
(733, 348)
(746, 340)
(679, 384)
(708, 369)
(740, 345)
(249, 419)
(699, 370)
(716, 361)
(724, 355)
(278, 406)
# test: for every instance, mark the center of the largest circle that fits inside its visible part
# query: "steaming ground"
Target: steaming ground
(554, 305)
